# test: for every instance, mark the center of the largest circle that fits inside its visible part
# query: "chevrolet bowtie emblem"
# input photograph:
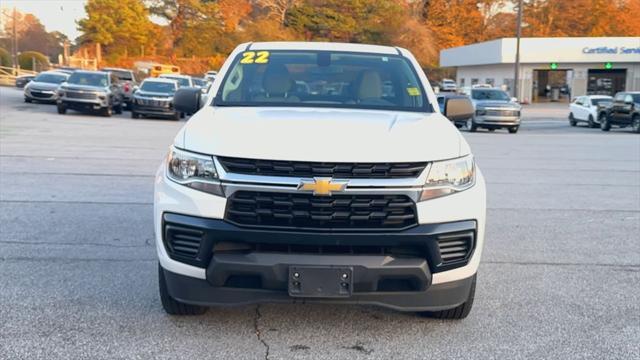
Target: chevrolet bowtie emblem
(322, 186)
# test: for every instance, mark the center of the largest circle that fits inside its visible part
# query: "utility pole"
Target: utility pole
(518, 34)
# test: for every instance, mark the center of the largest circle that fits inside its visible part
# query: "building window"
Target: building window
(474, 82)
(507, 84)
(490, 81)
(461, 82)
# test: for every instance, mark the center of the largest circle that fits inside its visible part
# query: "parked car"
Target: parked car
(448, 85)
(182, 80)
(155, 99)
(91, 91)
(23, 80)
(590, 109)
(494, 109)
(344, 195)
(624, 111)
(44, 87)
(445, 100)
(201, 83)
(128, 83)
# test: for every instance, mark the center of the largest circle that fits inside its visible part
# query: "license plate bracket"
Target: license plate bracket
(320, 281)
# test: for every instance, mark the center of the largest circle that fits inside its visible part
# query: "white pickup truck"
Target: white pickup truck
(319, 172)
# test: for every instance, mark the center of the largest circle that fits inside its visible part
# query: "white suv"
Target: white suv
(319, 172)
(590, 109)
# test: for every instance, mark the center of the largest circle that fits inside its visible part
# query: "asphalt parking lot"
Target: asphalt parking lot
(560, 276)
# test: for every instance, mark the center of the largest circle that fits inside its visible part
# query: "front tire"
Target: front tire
(457, 313)
(106, 111)
(471, 125)
(172, 306)
(134, 115)
(513, 129)
(27, 100)
(592, 124)
(61, 109)
(572, 120)
(605, 125)
(635, 124)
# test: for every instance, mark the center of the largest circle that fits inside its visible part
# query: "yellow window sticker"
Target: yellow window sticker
(413, 91)
(253, 57)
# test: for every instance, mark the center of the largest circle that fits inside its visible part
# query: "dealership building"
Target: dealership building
(550, 68)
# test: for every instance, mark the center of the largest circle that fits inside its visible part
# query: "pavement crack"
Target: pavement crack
(256, 328)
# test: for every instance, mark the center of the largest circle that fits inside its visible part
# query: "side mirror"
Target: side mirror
(514, 99)
(187, 100)
(458, 109)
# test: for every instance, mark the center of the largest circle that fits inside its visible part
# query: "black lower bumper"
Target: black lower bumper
(81, 106)
(391, 269)
(200, 292)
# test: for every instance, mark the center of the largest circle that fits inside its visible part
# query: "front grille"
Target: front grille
(81, 95)
(153, 103)
(37, 94)
(502, 112)
(455, 248)
(322, 169)
(183, 242)
(319, 249)
(308, 212)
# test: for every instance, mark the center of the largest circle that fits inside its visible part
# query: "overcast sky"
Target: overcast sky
(59, 15)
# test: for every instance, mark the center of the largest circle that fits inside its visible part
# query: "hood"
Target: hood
(83, 87)
(152, 94)
(496, 103)
(313, 134)
(35, 85)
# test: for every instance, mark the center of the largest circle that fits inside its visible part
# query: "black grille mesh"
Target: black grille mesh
(305, 211)
(322, 169)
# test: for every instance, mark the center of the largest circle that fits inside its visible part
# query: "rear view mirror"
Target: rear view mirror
(187, 100)
(458, 109)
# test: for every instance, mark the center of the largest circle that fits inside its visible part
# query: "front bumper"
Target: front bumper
(205, 281)
(153, 110)
(40, 95)
(496, 121)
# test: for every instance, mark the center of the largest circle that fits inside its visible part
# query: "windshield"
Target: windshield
(182, 82)
(600, 101)
(122, 75)
(90, 79)
(50, 78)
(322, 79)
(636, 98)
(489, 95)
(158, 87)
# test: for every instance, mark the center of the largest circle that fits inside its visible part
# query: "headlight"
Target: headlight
(448, 177)
(481, 112)
(193, 170)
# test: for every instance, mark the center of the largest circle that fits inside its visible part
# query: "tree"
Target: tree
(121, 26)
(347, 20)
(5, 58)
(32, 35)
(28, 58)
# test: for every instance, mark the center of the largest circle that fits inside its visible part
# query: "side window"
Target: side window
(628, 99)
(579, 101)
(114, 79)
(619, 97)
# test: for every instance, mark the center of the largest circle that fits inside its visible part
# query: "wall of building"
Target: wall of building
(504, 73)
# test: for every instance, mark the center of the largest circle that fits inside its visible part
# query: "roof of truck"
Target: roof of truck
(326, 46)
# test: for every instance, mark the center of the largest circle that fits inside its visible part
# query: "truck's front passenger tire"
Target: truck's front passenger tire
(172, 306)
(457, 313)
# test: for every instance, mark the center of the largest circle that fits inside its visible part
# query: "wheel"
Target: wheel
(61, 109)
(605, 124)
(27, 100)
(635, 124)
(172, 306)
(572, 120)
(134, 115)
(177, 116)
(457, 313)
(471, 126)
(182, 115)
(106, 111)
(600, 117)
(513, 129)
(592, 123)
(492, 129)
